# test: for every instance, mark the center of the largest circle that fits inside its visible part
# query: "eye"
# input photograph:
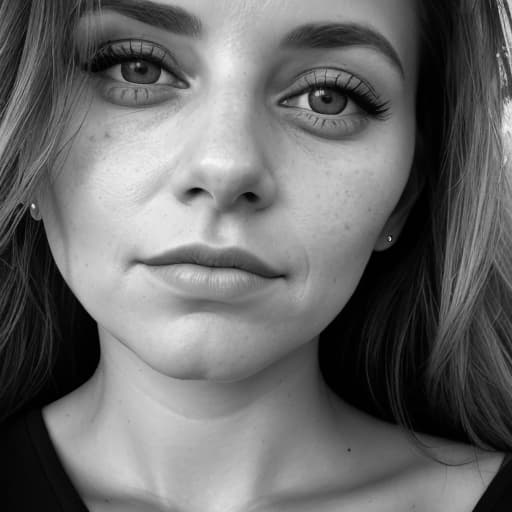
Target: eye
(325, 101)
(140, 72)
(335, 103)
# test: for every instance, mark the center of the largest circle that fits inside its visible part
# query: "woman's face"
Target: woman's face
(294, 145)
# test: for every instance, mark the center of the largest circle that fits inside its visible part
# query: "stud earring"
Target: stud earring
(34, 211)
(390, 239)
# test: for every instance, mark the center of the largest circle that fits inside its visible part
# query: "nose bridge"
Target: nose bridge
(227, 150)
(229, 128)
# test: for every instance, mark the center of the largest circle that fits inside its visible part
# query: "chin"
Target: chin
(213, 354)
(187, 367)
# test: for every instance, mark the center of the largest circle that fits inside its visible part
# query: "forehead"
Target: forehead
(250, 11)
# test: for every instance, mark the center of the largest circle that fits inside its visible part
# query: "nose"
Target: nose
(226, 163)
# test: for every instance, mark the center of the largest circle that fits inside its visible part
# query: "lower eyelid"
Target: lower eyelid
(135, 96)
(328, 127)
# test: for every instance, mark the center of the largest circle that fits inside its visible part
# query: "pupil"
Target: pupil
(140, 67)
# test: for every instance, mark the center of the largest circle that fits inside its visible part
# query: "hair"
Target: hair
(431, 318)
(433, 315)
(36, 98)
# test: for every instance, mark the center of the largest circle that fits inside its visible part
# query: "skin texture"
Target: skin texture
(138, 181)
(211, 405)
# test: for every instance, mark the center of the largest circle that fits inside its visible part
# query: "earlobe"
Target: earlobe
(34, 211)
(384, 242)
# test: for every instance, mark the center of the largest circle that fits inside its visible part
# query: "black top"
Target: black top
(36, 481)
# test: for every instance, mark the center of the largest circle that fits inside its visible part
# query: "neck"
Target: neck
(187, 438)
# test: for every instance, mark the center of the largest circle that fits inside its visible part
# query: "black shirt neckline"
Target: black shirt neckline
(62, 486)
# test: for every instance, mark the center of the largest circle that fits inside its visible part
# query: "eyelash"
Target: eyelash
(347, 85)
(366, 98)
(363, 94)
(114, 52)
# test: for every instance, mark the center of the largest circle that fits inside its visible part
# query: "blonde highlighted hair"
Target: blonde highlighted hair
(431, 318)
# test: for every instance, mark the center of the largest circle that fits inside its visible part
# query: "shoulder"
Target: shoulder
(441, 474)
(498, 495)
(454, 476)
(403, 470)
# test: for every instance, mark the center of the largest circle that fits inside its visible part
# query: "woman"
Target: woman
(220, 185)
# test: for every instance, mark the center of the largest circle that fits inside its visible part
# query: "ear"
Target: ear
(398, 218)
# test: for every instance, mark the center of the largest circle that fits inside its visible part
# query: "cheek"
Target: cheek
(349, 208)
(86, 204)
(341, 214)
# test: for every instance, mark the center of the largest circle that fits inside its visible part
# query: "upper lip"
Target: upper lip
(231, 257)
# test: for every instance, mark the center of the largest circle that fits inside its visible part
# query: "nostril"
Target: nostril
(193, 192)
(251, 197)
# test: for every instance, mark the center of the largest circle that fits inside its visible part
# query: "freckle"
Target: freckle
(347, 227)
(107, 135)
(349, 449)
(91, 138)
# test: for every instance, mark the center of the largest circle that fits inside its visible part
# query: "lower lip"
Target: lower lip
(210, 283)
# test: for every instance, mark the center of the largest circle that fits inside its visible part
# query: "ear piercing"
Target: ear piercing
(34, 211)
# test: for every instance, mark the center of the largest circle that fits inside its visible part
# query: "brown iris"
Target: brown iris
(140, 72)
(327, 101)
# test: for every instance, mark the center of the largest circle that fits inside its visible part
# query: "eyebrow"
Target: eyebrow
(309, 36)
(168, 17)
(342, 35)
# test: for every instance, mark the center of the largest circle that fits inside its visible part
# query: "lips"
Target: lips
(215, 258)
